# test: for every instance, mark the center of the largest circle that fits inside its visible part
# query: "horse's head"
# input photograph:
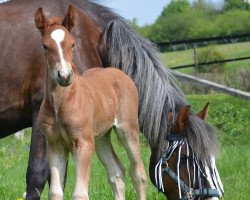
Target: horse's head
(58, 44)
(187, 168)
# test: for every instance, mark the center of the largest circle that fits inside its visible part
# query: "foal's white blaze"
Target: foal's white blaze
(65, 69)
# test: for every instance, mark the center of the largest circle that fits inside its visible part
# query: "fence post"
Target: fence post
(195, 59)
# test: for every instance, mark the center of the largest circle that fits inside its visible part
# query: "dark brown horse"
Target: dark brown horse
(186, 169)
(103, 38)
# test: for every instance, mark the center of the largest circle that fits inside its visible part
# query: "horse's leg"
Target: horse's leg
(58, 157)
(114, 168)
(129, 137)
(38, 169)
(82, 151)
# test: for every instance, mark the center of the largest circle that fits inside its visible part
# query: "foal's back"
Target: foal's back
(112, 97)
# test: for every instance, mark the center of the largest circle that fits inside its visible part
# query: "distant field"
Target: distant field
(184, 57)
(230, 116)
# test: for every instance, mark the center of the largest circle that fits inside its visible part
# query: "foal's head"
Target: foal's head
(187, 168)
(58, 44)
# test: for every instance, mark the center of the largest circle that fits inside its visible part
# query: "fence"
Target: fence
(211, 85)
(202, 82)
(194, 42)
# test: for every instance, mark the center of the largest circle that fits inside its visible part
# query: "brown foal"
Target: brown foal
(79, 111)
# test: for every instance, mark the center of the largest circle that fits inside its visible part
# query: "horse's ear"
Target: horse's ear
(41, 20)
(69, 19)
(203, 113)
(182, 118)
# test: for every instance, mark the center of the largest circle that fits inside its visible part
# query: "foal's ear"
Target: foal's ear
(204, 112)
(41, 20)
(69, 19)
(183, 118)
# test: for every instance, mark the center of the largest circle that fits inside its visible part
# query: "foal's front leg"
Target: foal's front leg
(82, 152)
(57, 156)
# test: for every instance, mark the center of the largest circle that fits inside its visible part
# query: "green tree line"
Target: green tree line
(181, 19)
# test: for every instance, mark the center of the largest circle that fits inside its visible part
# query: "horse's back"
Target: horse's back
(111, 76)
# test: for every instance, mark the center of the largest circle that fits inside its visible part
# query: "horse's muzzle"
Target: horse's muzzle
(64, 80)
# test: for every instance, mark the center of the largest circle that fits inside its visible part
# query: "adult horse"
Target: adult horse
(103, 39)
(186, 169)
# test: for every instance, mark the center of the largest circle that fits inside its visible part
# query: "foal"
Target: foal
(78, 113)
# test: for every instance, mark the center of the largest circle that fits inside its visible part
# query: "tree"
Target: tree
(236, 4)
(175, 6)
(204, 6)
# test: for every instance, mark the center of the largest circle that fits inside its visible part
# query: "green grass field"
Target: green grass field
(186, 57)
(229, 115)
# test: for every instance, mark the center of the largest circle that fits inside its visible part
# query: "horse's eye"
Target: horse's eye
(45, 47)
(73, 45)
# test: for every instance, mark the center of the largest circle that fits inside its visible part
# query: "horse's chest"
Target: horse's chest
(56, 133)
(55, 129)
(63, 135)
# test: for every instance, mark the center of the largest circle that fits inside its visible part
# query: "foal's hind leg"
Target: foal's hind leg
(114, 168)
(129, 136)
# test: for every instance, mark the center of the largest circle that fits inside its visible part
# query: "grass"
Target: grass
(186, 57)
(229, 115)
(14, 159)
(231, 118)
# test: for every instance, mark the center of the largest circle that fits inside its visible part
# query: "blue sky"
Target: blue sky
(145, 11)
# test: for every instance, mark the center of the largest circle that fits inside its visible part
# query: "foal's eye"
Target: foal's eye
(73, 45)
(45, 47)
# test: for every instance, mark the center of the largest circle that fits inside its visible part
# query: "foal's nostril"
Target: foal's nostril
(64, 80)
(65, 77)
(59, 75)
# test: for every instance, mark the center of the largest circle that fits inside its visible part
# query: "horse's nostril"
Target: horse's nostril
(64, 80)
(62, 77)
(59, 75)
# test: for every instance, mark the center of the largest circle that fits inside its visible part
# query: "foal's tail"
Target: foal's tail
(158, 92)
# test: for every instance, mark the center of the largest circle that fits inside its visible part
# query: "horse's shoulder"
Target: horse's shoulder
(91, 71)
(98, 71)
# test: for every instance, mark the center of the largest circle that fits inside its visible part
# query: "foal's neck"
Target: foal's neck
(55, 94)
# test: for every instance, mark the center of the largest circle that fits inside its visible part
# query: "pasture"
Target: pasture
(229, 115)
(185, 57)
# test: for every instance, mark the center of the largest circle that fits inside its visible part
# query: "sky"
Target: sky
(145, 11)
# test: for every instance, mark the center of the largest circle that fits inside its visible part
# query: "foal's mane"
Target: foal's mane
(157, 88)
(54, 21)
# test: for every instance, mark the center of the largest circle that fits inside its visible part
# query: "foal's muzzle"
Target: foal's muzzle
(64, 80)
